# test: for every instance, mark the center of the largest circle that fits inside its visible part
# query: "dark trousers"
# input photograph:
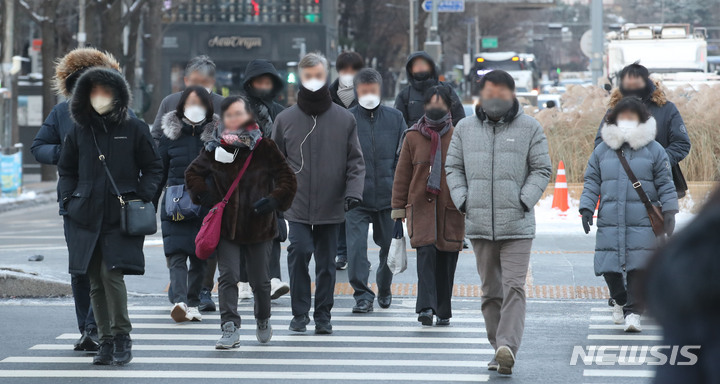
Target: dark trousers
(229, 255)
(342, 252)
(306, 240)
(625, 296)
(357, 222)
(109, 297)
(273, 263)
(186, 283)
(436, 276)
(83, 308)
(210, 268)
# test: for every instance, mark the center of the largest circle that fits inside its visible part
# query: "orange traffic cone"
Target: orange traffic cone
(560, 196)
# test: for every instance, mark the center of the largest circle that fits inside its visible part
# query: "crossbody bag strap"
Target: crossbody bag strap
(101, 157)
(635, 183)
(239, 176)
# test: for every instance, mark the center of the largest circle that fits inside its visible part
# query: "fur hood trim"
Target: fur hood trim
(172, 126)
(69, 67)
(82, 111)
(657, 97)
(638, 138)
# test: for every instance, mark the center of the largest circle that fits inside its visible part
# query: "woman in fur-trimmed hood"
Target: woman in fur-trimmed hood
(625, 238)
(96, 244)
(179, 145)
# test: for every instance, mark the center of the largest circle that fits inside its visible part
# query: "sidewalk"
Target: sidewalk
(34, 192)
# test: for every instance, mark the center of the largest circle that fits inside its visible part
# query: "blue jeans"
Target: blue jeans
(83, 309)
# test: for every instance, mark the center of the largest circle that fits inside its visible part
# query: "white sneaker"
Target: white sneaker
(278, 288)
(632, 323)
(193, 314)
(617, 313)
(244, 291)
(179, 313)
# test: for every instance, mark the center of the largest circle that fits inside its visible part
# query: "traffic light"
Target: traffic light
(313, 13)
(291, 78)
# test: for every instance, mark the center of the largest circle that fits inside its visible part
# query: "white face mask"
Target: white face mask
(369, 101)
(195, 113)
(223, 156)
(627, 125)
(313, 85)
(346, 80)
(101, 104)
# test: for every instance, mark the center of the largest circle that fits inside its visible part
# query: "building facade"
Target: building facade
(234, 32)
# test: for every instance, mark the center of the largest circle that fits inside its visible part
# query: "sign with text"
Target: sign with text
(235, 42)
(445, 5)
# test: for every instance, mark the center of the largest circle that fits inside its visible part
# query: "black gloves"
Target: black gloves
(669, 222)
(266, 205)
(587, 219)
(524, 207)
(351, 203)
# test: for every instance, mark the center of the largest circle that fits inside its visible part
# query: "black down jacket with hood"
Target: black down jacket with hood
(91, 206)
(264, 116)
(410, 99)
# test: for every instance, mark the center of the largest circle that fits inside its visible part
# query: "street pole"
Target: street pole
(81, 36)
(477, 35)
(413, 48)
(434, 35)
(7, 118)
(596, 24)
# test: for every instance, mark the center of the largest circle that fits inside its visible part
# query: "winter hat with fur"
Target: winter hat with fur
(69, 67)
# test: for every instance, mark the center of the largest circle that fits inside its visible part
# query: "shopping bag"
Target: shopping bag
(397, 258)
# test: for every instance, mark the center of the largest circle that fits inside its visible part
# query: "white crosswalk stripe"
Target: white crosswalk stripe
(624, 356)
(383, 346)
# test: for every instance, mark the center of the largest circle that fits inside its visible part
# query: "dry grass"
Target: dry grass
(571, 133)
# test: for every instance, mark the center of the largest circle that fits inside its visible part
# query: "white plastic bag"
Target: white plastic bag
(397, 258)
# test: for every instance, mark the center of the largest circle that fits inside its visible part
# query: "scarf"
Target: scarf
(346, 94)
(434, 130)
(246, 137)
(262, 115)
(314, 103)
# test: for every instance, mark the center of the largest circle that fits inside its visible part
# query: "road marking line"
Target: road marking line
(287, 349)
(306, 338)
(166, 309)
(335, 317)
(253, 361)
(362, 328)
(618, 373)
(333, 376)
(365, 376)
(634, 337)
(622, 327)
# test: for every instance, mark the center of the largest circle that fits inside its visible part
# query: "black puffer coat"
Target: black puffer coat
(410, 99)
(93, 210)
(178, 147)
(265, 108)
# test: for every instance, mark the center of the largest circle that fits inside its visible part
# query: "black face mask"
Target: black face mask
(421, 76)
(641, 93)
(261, 93)
(435, 113)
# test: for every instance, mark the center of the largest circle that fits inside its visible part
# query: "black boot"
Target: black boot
(105, 353)
(89, 340)
(425, 317)
(123, 349)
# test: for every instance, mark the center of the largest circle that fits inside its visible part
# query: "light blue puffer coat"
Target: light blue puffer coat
(625, 239)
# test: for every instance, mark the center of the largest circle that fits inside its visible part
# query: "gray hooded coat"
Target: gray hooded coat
(625, 239)
(493, 169)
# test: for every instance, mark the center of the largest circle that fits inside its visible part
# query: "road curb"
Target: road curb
(17, 283)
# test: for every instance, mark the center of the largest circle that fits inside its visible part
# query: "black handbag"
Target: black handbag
(137, 217)
(679, 180)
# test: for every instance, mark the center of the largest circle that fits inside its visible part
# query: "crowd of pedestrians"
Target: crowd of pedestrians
(330, 166)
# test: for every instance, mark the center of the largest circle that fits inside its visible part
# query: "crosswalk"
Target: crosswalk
(617, 356)
(383, 346)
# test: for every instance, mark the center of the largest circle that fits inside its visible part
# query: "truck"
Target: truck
(521, 66)
(667, 50)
